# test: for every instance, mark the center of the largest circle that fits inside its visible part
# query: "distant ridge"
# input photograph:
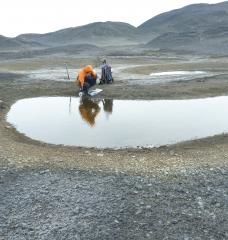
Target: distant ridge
(98, 33)
(197, 28)
(8, 44)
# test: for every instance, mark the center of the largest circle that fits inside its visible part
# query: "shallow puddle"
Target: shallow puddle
(178, 73)
(174, 76)
(179, 76)
(118, 123)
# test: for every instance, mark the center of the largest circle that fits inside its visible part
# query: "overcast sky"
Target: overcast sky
(41, 16)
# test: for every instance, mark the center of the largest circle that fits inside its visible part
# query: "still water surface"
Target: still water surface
(118, 123)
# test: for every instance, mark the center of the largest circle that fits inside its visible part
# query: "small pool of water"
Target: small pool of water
(178, 73)
(174, 76)
(118, 123)
(179, 76)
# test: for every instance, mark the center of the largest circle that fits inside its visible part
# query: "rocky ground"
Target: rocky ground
(57, 192)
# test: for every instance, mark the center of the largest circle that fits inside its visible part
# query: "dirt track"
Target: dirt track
(173, 192)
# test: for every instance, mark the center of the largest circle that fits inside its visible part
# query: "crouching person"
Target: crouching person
(86, 79)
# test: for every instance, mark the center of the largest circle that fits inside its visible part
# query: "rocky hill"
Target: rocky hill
(199, 28)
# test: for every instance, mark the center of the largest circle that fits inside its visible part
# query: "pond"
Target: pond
(111, 123)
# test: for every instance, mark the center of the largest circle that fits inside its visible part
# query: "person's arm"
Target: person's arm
(94, 74)
(80, 80)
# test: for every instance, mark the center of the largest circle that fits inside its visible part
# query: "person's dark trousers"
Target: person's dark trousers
(89, 82)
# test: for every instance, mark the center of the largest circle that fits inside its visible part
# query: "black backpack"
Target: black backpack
(106, 74)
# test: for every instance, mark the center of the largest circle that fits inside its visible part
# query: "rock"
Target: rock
(44, 171)
(135, 192)
(100, 154)
(76, 211)
(138, 212)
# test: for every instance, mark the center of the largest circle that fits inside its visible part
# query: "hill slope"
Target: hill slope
(196, 17)
(198, 27)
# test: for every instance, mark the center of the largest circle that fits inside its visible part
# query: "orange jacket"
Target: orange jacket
(82, 75)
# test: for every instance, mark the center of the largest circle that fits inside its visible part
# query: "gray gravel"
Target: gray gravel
(70, 204)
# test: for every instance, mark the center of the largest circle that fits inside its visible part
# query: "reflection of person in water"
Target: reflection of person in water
(107, 106)
(89, 110)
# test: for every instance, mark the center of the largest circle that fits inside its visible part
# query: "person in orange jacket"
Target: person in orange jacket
(86, 78)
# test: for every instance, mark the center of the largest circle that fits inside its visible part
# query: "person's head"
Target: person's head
(104, 61)
(88, 69)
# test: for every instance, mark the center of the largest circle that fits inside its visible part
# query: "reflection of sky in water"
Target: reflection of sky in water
(129, 123)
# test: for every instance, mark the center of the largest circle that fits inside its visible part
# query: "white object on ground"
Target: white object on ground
(80, 94)
(95, 92)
